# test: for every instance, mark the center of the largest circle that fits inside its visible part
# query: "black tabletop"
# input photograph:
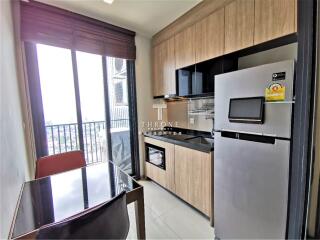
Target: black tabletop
(51, 199)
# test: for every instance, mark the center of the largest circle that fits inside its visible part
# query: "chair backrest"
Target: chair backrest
(106, 221)
(59, 163)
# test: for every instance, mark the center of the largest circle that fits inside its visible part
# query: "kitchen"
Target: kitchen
(227, 82)
(203, 123)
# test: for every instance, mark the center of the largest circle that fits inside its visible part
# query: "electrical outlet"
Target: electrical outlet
(191, 120)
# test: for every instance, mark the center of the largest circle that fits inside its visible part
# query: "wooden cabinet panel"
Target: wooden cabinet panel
(164, 177)
(156, 174)
(169, 67)
(273, 19)
(157, 73)
(182, 169)
(200, 181)
(164, 81)
(193, 177)
(185, 47)
(239, 25)
(209, 37)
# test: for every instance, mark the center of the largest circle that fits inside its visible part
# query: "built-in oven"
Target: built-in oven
(156, 155)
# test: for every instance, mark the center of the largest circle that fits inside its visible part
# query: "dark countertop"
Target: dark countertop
(201, 142)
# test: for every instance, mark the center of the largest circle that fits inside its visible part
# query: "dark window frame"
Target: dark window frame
(302, 143)
(37, 106)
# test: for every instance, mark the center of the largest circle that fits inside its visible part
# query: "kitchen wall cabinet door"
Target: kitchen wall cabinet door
(169, 67)
(164, 177)
(157, 72)
(209, 36)
(185, 47)
(164, 81)
(193, 178)
(239, 25)
(274, 19)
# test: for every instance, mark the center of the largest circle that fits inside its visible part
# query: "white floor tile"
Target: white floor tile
(155, 227)
(168, 217)
(158, 199)
(188, 223)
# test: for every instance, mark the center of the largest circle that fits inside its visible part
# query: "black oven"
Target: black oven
(156, 155)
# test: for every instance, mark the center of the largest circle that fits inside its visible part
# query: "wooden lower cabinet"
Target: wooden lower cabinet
(193, 177)
(187, 174)
(163, 177)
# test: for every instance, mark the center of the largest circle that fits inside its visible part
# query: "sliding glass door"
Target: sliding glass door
(84, 103)
(58, 98)
(119, 112)
(92, 102)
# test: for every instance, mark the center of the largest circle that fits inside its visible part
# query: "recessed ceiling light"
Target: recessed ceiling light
(108, 1)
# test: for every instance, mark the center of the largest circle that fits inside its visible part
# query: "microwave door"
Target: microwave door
(155, 157)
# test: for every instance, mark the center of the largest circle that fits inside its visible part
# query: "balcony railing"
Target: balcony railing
(64, 137)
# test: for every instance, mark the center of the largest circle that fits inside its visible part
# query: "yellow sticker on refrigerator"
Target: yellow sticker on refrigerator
(275, 92)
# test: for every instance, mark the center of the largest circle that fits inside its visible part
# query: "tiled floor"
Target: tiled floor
(167, 217)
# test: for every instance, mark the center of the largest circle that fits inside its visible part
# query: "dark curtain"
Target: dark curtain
(42, 23)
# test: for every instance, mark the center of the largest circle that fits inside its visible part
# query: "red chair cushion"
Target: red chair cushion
(59, 163)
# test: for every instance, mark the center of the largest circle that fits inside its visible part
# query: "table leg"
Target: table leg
(139, 212)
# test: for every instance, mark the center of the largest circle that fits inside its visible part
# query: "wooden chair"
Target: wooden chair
(59, 163)
(109, 220)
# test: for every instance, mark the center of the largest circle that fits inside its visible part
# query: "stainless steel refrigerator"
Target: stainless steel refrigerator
(252, 151)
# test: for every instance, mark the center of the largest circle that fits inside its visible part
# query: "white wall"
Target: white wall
(279, 54)
(13, 155)
(144, 90)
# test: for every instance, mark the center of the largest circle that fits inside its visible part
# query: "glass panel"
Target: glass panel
(70, 186)
(246, 109)
(58, 96)
(119, 113)
(68, 195)
(91, 87)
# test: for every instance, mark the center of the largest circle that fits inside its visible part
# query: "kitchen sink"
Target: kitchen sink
(200, 140)
(179, 136)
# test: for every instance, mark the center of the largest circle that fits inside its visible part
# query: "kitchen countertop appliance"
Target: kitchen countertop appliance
(253, 115)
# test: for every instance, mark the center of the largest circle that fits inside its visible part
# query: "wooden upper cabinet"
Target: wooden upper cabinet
(164, 68)
(239, 25)
(185, 47)
(157, 73)
(209, 37)
(273, 19)
(169, 67)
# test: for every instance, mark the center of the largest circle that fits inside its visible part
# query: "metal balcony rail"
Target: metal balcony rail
(64, 137)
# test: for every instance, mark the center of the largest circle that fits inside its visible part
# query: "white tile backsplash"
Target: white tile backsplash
(196, 114)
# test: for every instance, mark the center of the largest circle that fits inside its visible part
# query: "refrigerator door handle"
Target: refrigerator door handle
(228, 130)
(249, 137)
(260, 134)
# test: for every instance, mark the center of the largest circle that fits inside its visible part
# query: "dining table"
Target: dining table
(56, 197)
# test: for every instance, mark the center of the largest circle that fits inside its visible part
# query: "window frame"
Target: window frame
(39, 132)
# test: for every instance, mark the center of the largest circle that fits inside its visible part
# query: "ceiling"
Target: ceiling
(145, 17)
